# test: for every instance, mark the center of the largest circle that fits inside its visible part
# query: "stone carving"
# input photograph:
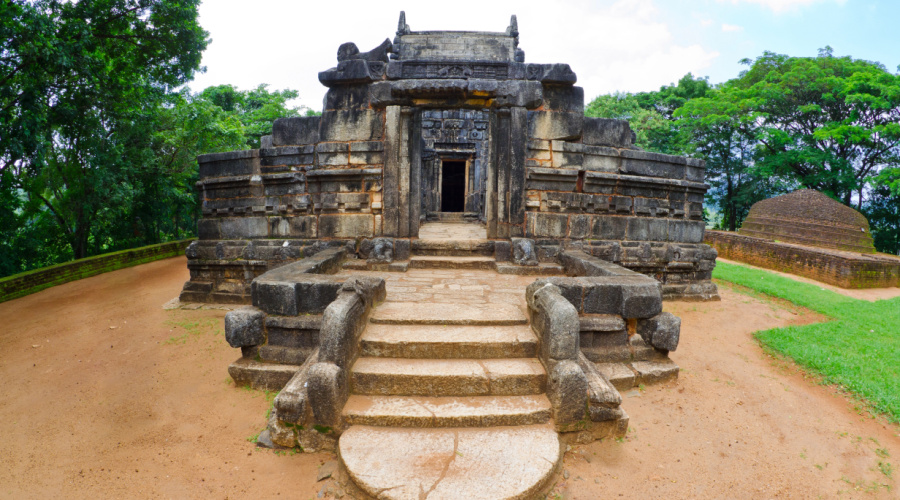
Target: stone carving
(193, 250)
(524, 252)
(378, 250)
(441, 70)
(348, 51)
(402, 27)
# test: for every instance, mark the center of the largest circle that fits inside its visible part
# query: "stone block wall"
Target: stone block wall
(22, 284)
(587, 187)
(317, 184)
(281, 330)
(843, 269)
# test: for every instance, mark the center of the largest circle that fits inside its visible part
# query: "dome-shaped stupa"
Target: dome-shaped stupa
(808, 217)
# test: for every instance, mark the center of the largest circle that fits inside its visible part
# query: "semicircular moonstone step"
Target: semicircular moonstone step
(442, 464)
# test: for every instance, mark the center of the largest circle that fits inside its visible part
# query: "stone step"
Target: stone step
(452, 217)
(542, 269)
(398, 266)
(415, 313)
(442, 341)
(447, 377)
(460, 248)
(451, 262)
(474, 463)
(473, 411)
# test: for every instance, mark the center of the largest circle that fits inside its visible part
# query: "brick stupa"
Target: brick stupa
(808, 217)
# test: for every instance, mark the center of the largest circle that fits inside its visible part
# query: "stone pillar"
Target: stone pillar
(403, 188)
(490, 189)
(415, 171)
(500, 141)
(518, 129)
(393, 151)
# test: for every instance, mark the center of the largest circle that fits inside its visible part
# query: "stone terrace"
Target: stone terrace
(451, 286)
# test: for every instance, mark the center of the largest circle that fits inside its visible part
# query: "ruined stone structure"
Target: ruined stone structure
(808, 217)
(448, 125)
(809, 234)
(446, 150)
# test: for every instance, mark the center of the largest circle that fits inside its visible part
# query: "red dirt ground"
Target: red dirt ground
(108, 395)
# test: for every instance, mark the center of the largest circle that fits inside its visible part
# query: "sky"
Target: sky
(612, 45)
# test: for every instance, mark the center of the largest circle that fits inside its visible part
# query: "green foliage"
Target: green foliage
(721, 131)
(859, 350)
(77, 79)
(98, 153)
(829, 123)
(256, 109)
(882, 210)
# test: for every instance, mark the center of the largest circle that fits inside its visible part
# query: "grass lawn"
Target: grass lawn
(858, 350)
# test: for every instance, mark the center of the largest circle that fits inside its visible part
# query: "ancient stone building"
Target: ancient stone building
(448, 126)
(442, 161)
(809, 234)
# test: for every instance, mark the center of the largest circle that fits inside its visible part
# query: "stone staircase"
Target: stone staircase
(457, 395)
(442, 390)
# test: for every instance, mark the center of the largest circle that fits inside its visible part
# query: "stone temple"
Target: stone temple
(382, 246)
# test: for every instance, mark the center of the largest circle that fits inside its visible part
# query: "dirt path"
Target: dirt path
(737, 423)
(107, 406)
(122, 399)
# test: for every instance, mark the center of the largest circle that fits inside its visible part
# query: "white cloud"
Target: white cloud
(706, 22)
(625, 46)
(779, 6)
(731, 27)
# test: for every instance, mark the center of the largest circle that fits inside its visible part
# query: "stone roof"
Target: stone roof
(808, 217)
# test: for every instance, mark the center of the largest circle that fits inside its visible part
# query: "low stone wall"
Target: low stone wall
(20, 285)
(843, 269)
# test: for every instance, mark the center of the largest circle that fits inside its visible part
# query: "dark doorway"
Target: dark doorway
(453, 185)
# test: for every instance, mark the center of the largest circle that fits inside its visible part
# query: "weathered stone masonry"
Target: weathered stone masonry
(449, 126)
(456, 124)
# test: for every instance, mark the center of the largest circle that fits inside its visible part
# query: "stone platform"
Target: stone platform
(836, 267)
(452, 382)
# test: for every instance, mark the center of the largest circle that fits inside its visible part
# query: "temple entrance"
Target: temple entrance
(453, 185)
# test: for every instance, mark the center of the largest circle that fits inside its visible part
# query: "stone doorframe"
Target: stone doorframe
(504, 203)
(433, 165)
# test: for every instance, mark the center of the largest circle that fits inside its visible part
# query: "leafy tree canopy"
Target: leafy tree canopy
(831, 123)
(75, 80)
(827, 123)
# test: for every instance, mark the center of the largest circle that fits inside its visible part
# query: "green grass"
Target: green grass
(859, 349)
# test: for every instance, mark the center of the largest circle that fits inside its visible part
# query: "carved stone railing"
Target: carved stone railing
(603, 301)
(280, 331)
(315, 319)
(307, 412)
(584, 405)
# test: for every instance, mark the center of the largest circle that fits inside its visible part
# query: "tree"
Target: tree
(882, 209)
(722, 132)
(831, 123)
(651, 114)
(75, 81)
(256, 108)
